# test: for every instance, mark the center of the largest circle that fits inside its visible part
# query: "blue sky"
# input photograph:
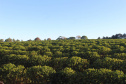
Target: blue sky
(28, 19)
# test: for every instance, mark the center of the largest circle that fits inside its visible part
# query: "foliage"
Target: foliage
(40, 74)
(11, 73)
(63, 61)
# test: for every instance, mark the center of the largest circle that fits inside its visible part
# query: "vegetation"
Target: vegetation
(63, 61)
(116, 36)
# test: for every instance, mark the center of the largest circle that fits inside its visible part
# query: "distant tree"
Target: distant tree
(49, 39)
(8, 40)
(37, 39)
(1, 40)
(117, 36)
(71, 38)
(61, 38)
(107, 37)
(17, 40)
(124, 35)
(78, 37)
(103, 37)
(113, 36)
(84, 37)
(99, 38)
(29, 40)
(13, 40)
(21, 40)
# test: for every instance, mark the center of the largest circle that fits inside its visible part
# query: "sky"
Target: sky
(28, 19)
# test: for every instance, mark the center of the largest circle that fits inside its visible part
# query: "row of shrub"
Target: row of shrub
(63, 62)
(12, 74)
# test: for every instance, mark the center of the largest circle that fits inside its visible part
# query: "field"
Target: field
(101, 61)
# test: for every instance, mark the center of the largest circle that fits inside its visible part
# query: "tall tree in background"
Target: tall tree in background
(8, 40)
(78, 37)
(116, 36)
(13, 40)
(1, 40)
(29, 40)
(17, 40)
(49, 39)
(61, 38)
(71, 38)
(37, 39)
(99, 38)
(84, 37)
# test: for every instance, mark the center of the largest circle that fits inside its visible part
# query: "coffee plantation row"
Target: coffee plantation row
(90, 61)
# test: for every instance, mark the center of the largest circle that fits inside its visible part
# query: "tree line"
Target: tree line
(116, 36)
(38, 39)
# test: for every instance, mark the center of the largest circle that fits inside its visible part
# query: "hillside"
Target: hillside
(101, 61)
